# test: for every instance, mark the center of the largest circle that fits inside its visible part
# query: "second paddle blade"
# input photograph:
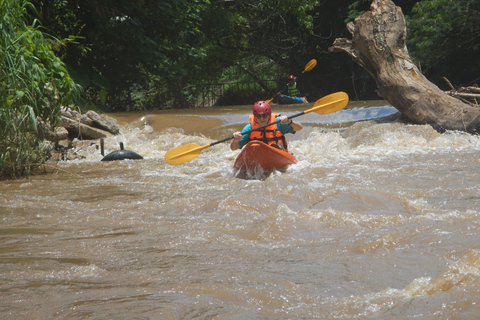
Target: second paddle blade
(310, 65)
(341, 101)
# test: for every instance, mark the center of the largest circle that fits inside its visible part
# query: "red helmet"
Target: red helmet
(261, 107)
(291, 77)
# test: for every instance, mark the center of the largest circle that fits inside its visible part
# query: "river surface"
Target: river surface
(379, 219)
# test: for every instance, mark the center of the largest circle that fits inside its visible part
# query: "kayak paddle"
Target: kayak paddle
(309, 66)
(328, 104)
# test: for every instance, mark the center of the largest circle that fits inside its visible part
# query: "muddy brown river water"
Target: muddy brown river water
(377, 220)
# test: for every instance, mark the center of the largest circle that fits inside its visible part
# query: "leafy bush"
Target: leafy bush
(444, 39)
(34, 84)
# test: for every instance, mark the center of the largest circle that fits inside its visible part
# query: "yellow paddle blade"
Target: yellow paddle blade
(310, 65)
(184, 153)
(269, 100)
(331, 103)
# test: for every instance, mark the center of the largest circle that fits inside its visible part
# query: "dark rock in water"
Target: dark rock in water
(121, 155)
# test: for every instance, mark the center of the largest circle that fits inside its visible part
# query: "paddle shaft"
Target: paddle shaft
(259, 128)
(315, 107)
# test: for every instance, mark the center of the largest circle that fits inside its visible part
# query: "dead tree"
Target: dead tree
(378, 44)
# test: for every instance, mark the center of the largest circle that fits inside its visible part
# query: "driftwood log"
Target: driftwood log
(470, 95)
(378, 44)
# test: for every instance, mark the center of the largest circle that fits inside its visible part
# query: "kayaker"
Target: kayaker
(273, 135)
(291, 89)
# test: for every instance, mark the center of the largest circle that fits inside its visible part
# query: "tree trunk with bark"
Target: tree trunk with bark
(379, 45)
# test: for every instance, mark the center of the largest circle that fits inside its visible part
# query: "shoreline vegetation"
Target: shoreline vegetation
(34, 85)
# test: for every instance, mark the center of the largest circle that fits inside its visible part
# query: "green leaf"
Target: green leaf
(19, 94)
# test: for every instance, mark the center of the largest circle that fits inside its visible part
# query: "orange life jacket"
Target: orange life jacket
(268, 135)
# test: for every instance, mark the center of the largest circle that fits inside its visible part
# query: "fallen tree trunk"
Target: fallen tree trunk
(379, 45)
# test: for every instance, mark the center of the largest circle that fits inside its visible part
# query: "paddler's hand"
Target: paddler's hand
(296, 126)
(284, 120)
(236, 138)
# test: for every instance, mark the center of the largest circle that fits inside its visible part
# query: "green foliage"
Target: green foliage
(157, 54)
(238, 93)
(445, 39)
(135, 55)
(34, 84)
(135, 48)
(355, 9)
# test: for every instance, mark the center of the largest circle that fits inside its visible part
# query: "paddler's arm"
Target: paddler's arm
(239, 140)
(283, 90)
(296, 126)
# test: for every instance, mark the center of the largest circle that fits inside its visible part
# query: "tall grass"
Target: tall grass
(34, 84)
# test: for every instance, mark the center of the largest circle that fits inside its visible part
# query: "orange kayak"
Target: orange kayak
(257, 154)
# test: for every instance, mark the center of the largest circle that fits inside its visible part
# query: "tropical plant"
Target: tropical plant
(34, 85)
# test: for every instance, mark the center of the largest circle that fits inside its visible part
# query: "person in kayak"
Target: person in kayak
(272, 135)
(291, 89)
